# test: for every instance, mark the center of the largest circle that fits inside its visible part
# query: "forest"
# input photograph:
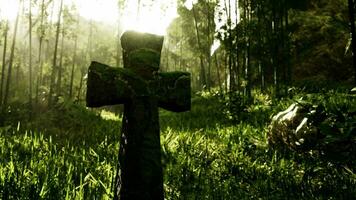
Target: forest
(268, 90)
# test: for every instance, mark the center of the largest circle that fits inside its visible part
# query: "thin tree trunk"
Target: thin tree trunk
(60, 68)
(237, 63)
(167, 58)
(90, 37)
(210, 43)
(261, 70)
(218, 73)
(73, 63)
(53, 75)
(3, 62)
(226, 72)
(39, 72)
(232, 74)
(275, 49)
(351, 4)
(118, 43)
(17, 76)
(288, 47)
(181, 46)
(30, 59)
(283, 49)
(202, 67)
(80, 85)
(12, 53)
(247, 54)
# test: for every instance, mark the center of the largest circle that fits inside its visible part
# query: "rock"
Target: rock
(291, 128)
(353, 90)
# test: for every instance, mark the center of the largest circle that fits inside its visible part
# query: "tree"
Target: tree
(41, 35)
(54, 63)
(11, 59)
(203, 29)
(30, 57)
(6, 30)
(60, 67)
(73, 61)
(351, 6)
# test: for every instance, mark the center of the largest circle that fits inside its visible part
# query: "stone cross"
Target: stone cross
(142, 89)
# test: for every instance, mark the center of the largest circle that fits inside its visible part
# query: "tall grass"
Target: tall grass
(71, 153)
(35, 167)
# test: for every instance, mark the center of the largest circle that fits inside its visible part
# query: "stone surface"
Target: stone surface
(328, 132)
(142, 89)
(291, 128)
(131, 41)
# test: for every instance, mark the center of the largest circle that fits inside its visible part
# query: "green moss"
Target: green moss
(131, 40)
(145, 58)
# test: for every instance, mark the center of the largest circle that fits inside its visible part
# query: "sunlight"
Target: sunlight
(98, 10)
(153, 16)
(222, 14)
(189, 4)
(8, 9)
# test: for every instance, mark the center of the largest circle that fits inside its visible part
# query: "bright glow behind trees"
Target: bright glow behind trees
(152, 16)
(8, 9)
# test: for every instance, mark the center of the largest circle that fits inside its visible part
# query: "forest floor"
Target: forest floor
(71, 152)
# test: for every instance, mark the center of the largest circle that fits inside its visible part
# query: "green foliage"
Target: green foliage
(335, 117)
(234, 162)
(35, 167)
(319, 37)
(205, 154)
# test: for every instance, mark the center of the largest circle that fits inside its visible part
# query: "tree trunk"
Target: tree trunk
(237, 63)
(39, 71)
(3, 62)
(60, 68)
(181, 46)
(210, 42)
(118, 43)
(247, 51)
(288, 48)
(17, 76)
(217, 66)
(261, 70)
(80, 85)
(90, 37)
(226, 72)
(232, 72)
(53, 74)
(30, 59)
(283, 49)
(167, 58)
(202, 67)
(260, 46)
(73, 63)
(8, 81)
(275, 47)
(351, 4)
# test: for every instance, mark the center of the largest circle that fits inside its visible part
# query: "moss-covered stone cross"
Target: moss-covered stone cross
(142, 89)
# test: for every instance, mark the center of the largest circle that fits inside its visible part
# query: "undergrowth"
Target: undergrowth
(211, 152)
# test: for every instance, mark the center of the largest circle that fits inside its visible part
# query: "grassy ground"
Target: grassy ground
(71, 153)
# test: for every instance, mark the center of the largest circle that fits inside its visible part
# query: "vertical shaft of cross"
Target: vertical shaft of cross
(140, 152)
(140, 156)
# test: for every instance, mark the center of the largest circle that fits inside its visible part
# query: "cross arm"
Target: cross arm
(174, 92)
(106, 85)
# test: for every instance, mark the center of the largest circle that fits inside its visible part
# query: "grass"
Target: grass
(71, 153)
